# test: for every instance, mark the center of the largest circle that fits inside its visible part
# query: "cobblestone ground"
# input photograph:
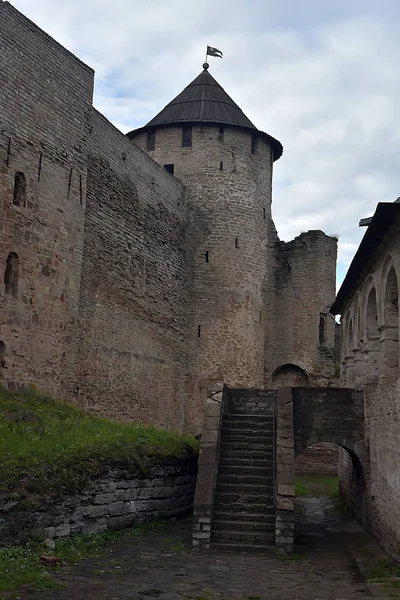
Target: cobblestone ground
(162, 565)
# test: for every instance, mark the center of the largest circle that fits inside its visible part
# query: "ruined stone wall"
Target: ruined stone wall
(300, 286)
(370, 359)
(319, 459)
(121, 496)
(45, 99)
(230, 191)
(134, 285)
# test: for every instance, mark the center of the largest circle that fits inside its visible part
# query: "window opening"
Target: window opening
(186, 136)
(198, 330)
(221, 166)
(221, 134)
(2, 358)
(206, 255)
(322, 329)
(151, 140)
(169, 168)
(11, 274)
(236, 242)
(19, 189)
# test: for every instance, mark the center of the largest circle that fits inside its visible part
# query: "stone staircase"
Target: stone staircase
(243, 512)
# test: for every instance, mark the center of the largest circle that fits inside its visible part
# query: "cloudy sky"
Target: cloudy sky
(320, 75)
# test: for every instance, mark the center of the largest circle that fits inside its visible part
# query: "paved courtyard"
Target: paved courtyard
(161, 564)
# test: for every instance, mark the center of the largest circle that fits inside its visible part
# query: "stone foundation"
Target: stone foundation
(120, 497)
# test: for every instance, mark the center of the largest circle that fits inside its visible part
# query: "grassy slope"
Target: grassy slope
(48, 446)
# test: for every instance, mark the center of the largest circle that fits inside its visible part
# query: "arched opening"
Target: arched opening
(290, 375)
(19, 198)
(390, 328)
(372, 337)
(329, 488)
(11, 274)
(2, 359)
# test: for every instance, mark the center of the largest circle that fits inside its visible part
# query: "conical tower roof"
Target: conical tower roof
(204, 101)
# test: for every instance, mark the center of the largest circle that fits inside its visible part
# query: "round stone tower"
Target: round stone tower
(204, 139)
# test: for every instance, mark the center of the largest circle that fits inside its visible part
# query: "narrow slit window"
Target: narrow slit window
(169, 168)
(2, 358)
(151, 140)
(187, 136)
(322, 329)
(221, 134)
(19, 198)
(221, 166)
(264, 213)
(11, 274)
(198, 330)
(254, 144)
(206, 255)
(236, 242)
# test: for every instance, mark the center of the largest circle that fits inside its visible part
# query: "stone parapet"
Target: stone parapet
(208, 466)
(284, 472)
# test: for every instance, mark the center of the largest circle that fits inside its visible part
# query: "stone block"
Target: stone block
(205, 485)
(285, 489)
(284, 503)
(95, 512)
(62, 530)
(103, 498)
(210, 436)
(208, 455)
(116, 509)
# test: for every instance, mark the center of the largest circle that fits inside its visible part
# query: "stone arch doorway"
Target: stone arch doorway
(290, 375)
(322, 494)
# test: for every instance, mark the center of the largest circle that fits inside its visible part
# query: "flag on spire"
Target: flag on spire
(214, 52)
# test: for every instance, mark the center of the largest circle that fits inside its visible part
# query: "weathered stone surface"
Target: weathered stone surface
(91, 512)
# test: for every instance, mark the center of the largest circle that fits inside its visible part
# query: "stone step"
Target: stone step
(246, 452)
(243, 446)
(248, 421)
(239, 506)
(246, 461)
(250, 431)
(241, 435)
(258, 517)
(242, 547)
(251, 499)
(239, 525)
(240, 476)
(243, 536)
(266, 487)
(262, 411)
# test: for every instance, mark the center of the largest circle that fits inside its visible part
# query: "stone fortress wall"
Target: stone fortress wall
(370, 359)
(127, 290)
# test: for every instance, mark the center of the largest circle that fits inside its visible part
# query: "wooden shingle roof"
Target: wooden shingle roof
(205, 102)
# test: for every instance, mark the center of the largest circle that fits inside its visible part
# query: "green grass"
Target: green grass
(47, 446)
(21, 566)
(316, 485)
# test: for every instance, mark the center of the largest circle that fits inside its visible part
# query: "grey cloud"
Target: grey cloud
(320, 76)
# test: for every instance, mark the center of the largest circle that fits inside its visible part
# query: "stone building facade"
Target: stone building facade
(140, 269)
(368, 304)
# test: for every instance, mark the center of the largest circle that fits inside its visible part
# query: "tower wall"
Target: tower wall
(230, 208)
(45, 98)
(301, 285)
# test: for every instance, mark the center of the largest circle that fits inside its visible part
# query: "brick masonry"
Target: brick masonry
(121, 496)
(370, 359)
(319, 459)
(115, 306)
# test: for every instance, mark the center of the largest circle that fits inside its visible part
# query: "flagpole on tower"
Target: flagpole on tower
(206, 65)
